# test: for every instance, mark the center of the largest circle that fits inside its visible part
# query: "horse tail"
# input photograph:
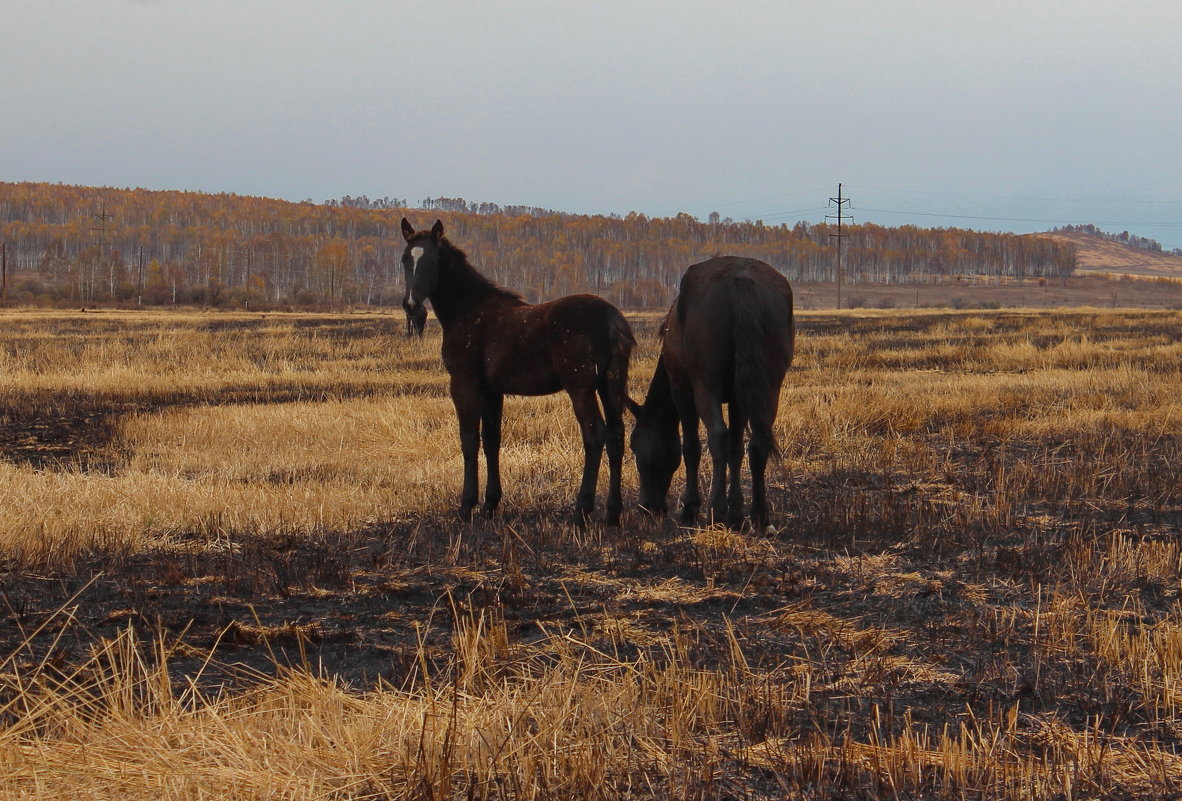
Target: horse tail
(759, 357)
(614, 385)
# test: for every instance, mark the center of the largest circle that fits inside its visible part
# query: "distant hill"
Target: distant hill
(1099, 255)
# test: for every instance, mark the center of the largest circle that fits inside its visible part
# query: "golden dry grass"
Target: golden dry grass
(229, 569)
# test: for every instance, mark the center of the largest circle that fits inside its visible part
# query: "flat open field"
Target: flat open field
(229, 568)
(1108, 291)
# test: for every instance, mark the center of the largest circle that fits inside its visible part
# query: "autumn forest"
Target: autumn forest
(72, 244)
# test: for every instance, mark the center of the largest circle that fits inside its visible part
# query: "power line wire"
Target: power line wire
(790, 213)
(716, 206)
(1018, 219)
(1017, 197)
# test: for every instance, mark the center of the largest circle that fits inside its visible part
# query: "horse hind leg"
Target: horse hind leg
(758, 452)
(760, 449)
(594, 431)
(613, 394)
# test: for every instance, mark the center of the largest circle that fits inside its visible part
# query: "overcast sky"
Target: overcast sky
(1034, 111)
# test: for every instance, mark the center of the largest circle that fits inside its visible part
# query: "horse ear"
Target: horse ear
(633, 407)
(408, 230)
(437, 230)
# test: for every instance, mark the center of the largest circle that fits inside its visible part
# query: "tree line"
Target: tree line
(73, 244)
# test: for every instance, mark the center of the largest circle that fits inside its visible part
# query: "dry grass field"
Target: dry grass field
(229, 568)
(1099, 289)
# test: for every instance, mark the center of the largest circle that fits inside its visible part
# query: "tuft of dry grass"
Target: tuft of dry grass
(229, 569)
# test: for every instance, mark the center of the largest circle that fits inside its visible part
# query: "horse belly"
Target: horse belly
(523, 378)
(701, 360)
(530, 386)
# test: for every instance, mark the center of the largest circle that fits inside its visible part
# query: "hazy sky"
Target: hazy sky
(1042, 112)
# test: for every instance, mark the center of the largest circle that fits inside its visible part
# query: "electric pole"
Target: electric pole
(840, 216)
(3, 271)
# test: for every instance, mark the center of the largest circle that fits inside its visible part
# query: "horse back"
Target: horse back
(729, 310)
(538, 349)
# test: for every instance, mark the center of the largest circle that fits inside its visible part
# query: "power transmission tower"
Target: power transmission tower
(841, 217)
(102, 217)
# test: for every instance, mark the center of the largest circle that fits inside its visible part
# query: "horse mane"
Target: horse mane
(468, 278)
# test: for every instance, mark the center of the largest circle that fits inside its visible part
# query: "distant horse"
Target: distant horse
(496, 344)
(728, 338)
(416, 317)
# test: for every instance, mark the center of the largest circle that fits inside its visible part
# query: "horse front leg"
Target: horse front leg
(466, 399)
(594, 432)
(691, 454)
(738, 422)
(718, 441)
(491, 407)
(614, 415)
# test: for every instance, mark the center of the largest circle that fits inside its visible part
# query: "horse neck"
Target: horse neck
(659, 400)
(460, 289)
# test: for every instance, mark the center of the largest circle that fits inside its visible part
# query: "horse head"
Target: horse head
(420, 263)
(657, 447)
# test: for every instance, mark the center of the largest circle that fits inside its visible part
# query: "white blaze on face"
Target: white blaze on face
(416, 253)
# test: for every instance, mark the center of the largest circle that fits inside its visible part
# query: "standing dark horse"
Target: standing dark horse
(496, 344)
(416, 317)
(728, 338)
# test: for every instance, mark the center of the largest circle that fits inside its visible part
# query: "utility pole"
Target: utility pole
(3, 271)
(841, 216)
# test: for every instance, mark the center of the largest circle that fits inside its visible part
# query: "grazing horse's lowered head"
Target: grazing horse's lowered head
(656, 443)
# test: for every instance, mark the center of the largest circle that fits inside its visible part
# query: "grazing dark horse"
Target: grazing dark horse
(728, 338)
(496, 344)
(416, 317)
